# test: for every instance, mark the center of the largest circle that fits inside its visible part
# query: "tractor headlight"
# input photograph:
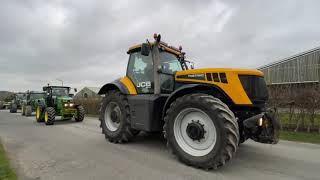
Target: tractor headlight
(65, 105)
(71, 104)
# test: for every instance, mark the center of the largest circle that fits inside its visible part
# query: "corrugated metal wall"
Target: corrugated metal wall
(298, 69)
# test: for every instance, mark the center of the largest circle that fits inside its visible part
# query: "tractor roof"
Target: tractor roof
(57, 86)
(19, 93)
(36, 92)
(163, 45)
(46, 87)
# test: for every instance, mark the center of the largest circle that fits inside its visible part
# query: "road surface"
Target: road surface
(70, 150)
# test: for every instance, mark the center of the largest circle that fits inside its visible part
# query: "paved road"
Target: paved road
(71, 150)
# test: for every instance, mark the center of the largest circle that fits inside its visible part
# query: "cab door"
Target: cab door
(140, 72)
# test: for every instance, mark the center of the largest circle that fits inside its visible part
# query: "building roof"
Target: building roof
(289, 58)
(94, 89)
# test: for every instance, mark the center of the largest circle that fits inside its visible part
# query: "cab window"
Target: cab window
(140, 71)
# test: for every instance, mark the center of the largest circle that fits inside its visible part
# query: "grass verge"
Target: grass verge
(6, 173)
(300, 137)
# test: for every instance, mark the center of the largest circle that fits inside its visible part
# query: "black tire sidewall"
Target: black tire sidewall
(51, 115)
(219, 125)
(80, 113)
(112, 97)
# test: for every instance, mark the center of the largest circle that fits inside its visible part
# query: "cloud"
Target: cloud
(85, 42)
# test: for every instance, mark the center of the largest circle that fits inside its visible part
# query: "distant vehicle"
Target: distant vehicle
(30, 103)
(2, 105)
(57, 102)
(16, 102)
(6, 104)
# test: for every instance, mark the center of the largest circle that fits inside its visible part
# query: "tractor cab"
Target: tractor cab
(19, 96)
(57, 95)
(141, 70)
(34, 95)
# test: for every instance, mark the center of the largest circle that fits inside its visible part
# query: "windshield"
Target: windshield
(169, 62)
(37, 96)
(57, 91)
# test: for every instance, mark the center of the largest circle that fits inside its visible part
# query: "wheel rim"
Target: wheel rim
(201, 145)
(46, 117)
(112, 116)
(38, 112)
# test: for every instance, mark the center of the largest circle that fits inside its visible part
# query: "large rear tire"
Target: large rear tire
(79, 114)
(115, 118)
(49, 116)
(201, 131)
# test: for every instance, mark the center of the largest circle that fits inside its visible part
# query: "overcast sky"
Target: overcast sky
(84, 43)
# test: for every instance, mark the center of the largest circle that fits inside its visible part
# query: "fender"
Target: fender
(115, 85)
(192, 88)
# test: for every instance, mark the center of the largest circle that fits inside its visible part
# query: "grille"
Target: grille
(255, 87)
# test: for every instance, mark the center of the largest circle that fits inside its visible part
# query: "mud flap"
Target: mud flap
(263, 128)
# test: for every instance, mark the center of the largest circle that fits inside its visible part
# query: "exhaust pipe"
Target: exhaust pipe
(263, 128)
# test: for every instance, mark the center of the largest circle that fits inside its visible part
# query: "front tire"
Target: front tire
(23, 110)
(13, 108)
(115, 118)
(79, 114)
(49, 116)
(40, 113)
(201, 131)
(28, 110)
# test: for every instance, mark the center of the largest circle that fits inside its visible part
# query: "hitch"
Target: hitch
(263, 128)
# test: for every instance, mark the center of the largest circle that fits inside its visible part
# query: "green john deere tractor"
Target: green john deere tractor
(30, 103)
(16, 102)
(57, 102)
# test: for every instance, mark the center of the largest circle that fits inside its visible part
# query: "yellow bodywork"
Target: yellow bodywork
(233, 88)
(129, 85)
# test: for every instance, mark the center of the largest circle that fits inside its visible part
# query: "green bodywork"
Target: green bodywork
(58, 98)
(33, 98)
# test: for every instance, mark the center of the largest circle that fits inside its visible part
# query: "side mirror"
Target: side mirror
(75, 89)
(160, 69)
(145, 49)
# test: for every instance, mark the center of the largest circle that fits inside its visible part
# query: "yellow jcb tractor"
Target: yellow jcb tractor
(204, 114)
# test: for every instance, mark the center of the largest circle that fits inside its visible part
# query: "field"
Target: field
(300, 137)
